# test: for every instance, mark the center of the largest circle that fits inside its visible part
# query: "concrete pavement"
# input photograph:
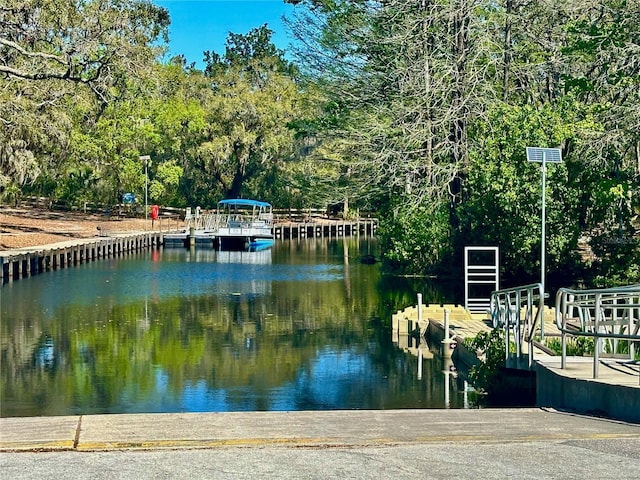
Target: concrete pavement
(485, 443)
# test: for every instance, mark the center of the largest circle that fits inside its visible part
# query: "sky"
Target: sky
(199, 25)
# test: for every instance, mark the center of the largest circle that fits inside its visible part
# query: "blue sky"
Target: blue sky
(199, 25)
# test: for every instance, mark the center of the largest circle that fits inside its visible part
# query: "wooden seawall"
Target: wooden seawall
(24, 262)
(325, 229)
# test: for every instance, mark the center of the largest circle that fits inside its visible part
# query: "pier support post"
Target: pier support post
(192, 237)
(447, 347)
(12, 269)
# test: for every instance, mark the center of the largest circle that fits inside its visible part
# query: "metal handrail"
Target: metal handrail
(507, 307)
(607, 314)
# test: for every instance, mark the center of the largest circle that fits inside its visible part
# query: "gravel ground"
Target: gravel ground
(27, 227)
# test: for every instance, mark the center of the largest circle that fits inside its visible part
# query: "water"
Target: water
(303, 326)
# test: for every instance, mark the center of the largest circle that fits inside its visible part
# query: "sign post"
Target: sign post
(544, 156)
(145, 159)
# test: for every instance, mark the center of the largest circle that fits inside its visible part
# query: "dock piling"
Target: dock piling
(25, 262)
(447, 343)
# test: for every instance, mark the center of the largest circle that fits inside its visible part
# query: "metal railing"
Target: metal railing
(610, 316)
(519, 310)
(200, 220)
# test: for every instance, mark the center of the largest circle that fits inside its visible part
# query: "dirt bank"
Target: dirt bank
(26, 227)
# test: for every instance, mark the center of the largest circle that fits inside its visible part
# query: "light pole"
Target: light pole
(544, 156)
(145, 159)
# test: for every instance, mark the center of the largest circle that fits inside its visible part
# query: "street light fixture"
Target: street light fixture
(145, 159)
(544, 156)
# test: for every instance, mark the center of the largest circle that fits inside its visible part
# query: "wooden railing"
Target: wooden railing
(137, 210)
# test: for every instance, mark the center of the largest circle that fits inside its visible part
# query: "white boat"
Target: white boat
(237, 224)
(244, 224)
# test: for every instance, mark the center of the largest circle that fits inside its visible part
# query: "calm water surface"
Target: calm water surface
(303, 326)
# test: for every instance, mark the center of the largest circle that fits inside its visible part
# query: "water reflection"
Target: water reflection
(301, 326)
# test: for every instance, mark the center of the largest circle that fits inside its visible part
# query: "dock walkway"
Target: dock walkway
(24, 262)
(322, 228)
(462, 323)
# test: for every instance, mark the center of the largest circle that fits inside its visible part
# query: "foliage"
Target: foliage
(579, 347)
(491, 347)
(501, 184)
(414, 238)
(52, 52)
(11, 194)
(168, 176)
(255, 99)
(319, 172)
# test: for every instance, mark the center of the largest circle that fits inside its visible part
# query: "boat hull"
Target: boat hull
(244, 242)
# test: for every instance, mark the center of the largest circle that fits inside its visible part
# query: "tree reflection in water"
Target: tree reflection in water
(302, 326)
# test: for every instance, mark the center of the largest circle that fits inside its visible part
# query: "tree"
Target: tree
(441, 97)
(410, 76)
(88, 42)
(51, 51)
(503, 205)
(255, 98)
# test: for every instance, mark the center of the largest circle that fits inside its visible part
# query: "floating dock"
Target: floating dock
(615, 393)
(182, 239)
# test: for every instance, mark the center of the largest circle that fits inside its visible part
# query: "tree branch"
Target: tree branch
(47, 56)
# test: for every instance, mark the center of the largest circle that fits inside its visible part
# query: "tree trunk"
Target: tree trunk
(507, 50)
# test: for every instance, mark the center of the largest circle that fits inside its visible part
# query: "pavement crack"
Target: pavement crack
(76, 439)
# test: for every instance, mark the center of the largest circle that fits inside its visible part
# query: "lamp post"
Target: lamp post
(544, 156)
(145, 159)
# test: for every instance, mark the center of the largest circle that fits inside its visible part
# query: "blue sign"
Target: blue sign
(128, 198)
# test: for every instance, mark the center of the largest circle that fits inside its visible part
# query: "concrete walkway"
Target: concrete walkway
(486, 443)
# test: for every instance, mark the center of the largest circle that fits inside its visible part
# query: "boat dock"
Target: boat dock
(325, 228)
(24, 262)
(207, 237)
(462, 323)
(569, 383)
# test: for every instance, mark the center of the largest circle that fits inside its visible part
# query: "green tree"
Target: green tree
(163, 187)
(255, 99)
(442, 97)
(503, 205)
(51, 52)
(410, 76)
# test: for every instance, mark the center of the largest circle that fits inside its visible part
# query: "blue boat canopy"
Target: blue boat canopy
(245, 202)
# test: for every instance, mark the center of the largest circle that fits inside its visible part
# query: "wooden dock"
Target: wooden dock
(462, 324)
(24, 262)
(325, 228)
